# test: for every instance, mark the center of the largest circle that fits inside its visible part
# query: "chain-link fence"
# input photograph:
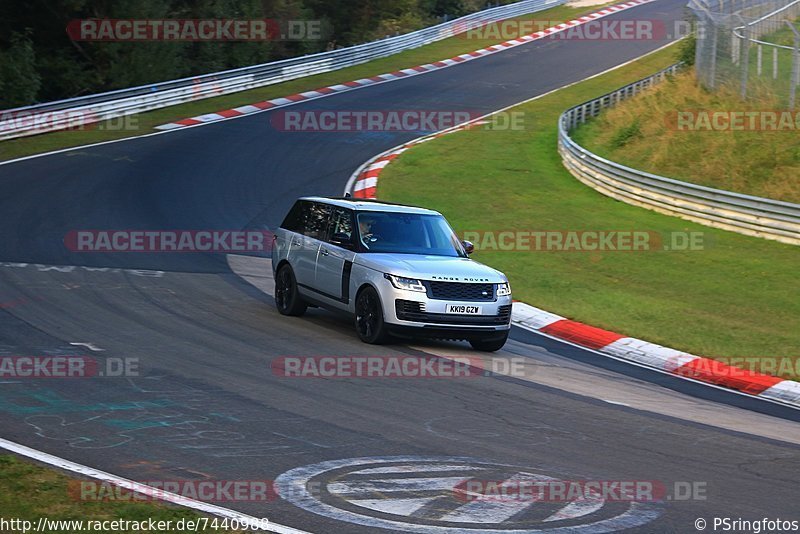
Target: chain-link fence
(750, 46)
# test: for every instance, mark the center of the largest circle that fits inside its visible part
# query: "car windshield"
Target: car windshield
(407, 233)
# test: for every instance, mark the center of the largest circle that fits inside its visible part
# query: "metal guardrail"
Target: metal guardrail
(749, 215)
(62, 114)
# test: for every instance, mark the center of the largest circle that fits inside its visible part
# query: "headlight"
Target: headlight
(410, 284)
(503, 290)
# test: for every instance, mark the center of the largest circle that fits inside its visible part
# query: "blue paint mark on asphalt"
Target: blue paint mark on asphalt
(47, 401)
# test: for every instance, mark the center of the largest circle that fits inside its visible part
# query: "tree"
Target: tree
(19, 80)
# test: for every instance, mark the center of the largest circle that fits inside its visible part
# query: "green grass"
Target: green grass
(29, 491)
(784, 36)
(642, 132)
(145, 122)
(760, 163)
(735, 298)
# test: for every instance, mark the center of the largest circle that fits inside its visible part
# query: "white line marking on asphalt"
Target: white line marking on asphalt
(90, 346)
(294, 486)
(495, 509)
(616, 403)
(395, 506)
(413, 468)
(395, 484)
(578, 508)
(173, 498)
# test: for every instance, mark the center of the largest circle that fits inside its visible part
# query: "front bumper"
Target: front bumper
(415, 313)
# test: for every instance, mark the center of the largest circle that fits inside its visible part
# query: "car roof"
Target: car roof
(365, 204)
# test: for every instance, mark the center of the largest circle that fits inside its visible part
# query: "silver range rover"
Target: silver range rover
(399, 270)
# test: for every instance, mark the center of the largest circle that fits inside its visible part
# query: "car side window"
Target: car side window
(295, 218)
(341, 231)
(317, 217)
(308, 218)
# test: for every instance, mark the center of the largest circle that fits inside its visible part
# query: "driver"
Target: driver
(366, 226)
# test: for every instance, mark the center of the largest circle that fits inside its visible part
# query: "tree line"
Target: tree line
(40, 62)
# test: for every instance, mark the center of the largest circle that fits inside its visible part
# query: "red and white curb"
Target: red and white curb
(364, 181)
(363, 184)
(396, 75)
(656, 356)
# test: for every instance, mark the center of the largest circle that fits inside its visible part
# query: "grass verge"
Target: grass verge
(144, 123)
(737, 297)
(29, 491)
(644, 133)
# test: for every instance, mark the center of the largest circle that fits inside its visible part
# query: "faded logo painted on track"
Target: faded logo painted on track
(424, 494)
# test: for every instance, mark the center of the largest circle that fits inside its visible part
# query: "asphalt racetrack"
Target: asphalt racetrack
(380, 454)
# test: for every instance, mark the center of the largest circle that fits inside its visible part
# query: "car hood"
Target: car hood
(431, 267)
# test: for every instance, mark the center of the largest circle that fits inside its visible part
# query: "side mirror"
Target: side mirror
(342, 240)
(469, 248)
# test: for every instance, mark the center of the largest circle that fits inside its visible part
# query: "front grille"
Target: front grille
(460, 291)
(408, 310)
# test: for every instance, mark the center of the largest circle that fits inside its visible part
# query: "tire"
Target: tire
(369, 322)
(287, 299)
(489, 345)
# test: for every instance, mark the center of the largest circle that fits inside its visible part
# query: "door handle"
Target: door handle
(324, 252)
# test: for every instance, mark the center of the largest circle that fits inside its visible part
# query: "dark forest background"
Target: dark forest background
(39, 63)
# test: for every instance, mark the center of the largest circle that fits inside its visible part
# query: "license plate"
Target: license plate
(463, 309)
